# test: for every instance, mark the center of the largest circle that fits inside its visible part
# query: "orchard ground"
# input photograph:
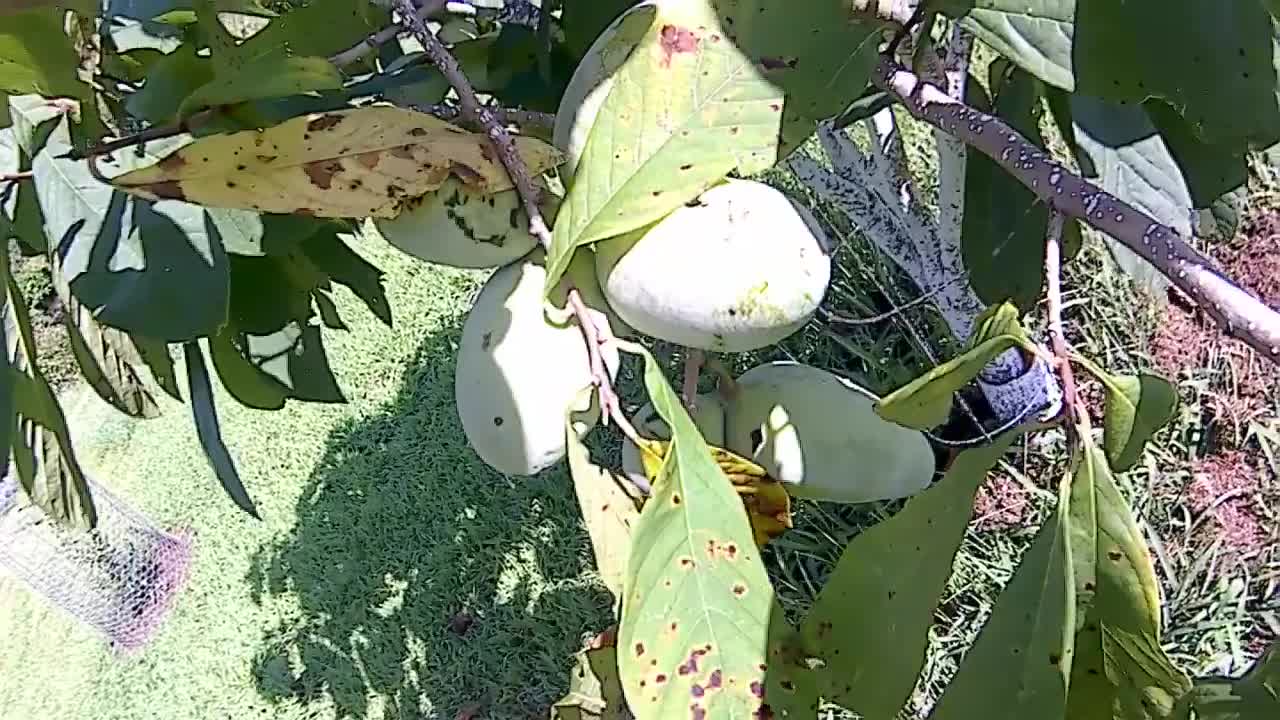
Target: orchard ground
(395, 576)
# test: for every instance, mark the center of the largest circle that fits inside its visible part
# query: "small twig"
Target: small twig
(1239, 313)
(16, 176)
(506, 116)
(1053, 280)
(194, 122)
(475, 113)
(372, 42)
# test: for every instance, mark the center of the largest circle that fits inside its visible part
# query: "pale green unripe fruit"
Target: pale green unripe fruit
(707, 415)
(741, 268)
(459, 227)
(819, 434)
(521, 367)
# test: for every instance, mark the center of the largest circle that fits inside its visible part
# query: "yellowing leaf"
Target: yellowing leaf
(767, 503)
(349, 163)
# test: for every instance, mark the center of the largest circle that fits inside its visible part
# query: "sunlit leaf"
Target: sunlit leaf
(893, 573)
(685, 109)
(208, 430)
(697, 600)
(595, 690)
(348, 163)
(1019, 666)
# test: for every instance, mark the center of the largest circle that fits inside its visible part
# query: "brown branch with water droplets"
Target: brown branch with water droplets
(1240, 314)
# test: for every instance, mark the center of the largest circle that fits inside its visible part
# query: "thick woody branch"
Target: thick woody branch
(1240, 314)
(503, 115)
(475, 113)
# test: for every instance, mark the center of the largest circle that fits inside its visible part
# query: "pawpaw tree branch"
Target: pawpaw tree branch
(1053, 304)
(1240, 314)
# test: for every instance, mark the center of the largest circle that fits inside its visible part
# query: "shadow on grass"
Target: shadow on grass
(417, 581)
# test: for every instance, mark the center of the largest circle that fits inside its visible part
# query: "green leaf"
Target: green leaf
(893, 573)
(608, 510)
(333, 257)
(1003, 237)
(1136, 408)
(1119, 148)
(925, 402)
(170, 81)
(46, 464)
(1221, 78)
(249, 385)
(266, 77)
(697, 600)
(205, 414)
(6, 377)
(36, 56)
(155, 353)
(1119, 665)
(1210, 169)
(685, 109)
(152, 268)
(318, 29)
(1019, 666)
(792, 685)
(1256, 696)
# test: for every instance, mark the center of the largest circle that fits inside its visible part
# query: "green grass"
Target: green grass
(379, 526)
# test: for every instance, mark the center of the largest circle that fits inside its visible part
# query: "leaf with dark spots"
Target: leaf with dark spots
(395, 153)
(676, 40)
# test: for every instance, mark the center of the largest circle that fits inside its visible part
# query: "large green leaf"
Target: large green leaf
(1137, 406)
(584, 19)
(36, 56)
(870, 624)
(1256, 696)
(685, 109)
(332, 256)
(696, 600)
(269, 76)
(46, 463)
(1119, 149)
(1003, 237)
(318, 29)
(1019, 666)
(792, 684)
(153, 268)
(1119, 667)
(205, 414)
(1221, 77)
(170, 81)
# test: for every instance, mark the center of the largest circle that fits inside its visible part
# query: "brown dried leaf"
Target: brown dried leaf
(349, 163)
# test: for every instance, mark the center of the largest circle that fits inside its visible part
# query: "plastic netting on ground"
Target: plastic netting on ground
(121, 578)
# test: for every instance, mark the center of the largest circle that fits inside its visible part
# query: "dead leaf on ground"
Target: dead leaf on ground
(363, 162)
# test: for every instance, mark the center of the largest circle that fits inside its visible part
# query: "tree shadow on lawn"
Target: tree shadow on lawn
(423, 581)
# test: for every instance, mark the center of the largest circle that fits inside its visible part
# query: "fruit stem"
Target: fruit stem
(692, 369)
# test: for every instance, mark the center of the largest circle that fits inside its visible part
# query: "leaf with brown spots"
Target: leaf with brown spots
(720, 601)
(894, 573)
(608, 510)
(349, 163)
(595, 690)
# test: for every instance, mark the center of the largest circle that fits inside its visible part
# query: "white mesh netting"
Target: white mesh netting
(121, 578)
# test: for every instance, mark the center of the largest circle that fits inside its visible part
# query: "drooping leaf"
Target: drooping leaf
(208, 430)
(246, 383)
(1221, 78)
(1019, 666)
(332, 256)
(109, 362)
(1136, 408)
(156, 269)
(269, 76)
(1256, 696)
(595, 690)
(697, 600)
(36, 56)
(1003, 237)
(1119, 148)
(348, 163)
(45, 460)
(926, 401)
(170, 81)
(1119, 666)
(608, 510)
(155, 353)
(893, 573)
(685, 109)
